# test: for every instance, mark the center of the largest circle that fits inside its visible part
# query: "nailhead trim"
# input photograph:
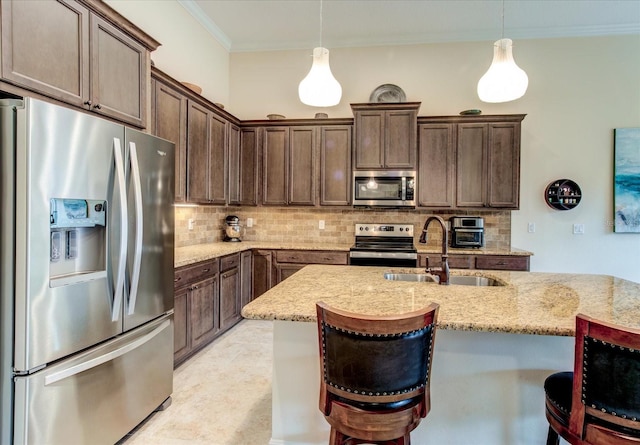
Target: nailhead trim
(386, 393)
(584, 372)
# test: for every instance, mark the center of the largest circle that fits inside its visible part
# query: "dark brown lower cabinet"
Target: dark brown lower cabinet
(246, 278)
(196, 308)
(263, 272)
(230, 291)
(288, 262)
(487, 262)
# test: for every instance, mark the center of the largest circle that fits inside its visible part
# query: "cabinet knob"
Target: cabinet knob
(175, 280)
(97, 106)
(206, 270)
(88, 102)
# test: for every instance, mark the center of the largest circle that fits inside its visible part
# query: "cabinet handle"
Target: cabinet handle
(97, 106)
(206, 270)
(194, 287)
(175, 280)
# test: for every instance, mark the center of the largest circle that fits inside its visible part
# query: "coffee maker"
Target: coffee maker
(232, 228)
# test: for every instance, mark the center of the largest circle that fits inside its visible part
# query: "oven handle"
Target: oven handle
(391, 255)
(469, 230)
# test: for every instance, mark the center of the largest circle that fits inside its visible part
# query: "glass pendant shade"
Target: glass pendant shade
(319, 88)
(504, 80)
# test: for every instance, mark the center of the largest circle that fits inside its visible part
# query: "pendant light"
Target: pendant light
(319, 88)
(504, 81)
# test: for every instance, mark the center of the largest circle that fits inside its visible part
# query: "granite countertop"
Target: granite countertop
(201, 252)
(528, 303)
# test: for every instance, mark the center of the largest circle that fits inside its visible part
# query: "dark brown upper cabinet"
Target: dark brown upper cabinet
(385, 135)
(83, 53)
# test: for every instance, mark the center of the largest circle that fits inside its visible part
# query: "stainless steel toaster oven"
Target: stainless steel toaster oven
(467, 231)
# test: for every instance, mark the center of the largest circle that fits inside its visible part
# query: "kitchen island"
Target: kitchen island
(494, 346)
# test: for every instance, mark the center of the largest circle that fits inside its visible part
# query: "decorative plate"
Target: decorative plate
(387, 93)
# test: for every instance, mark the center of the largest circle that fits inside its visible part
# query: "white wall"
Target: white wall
(188, 52)
(580, 89)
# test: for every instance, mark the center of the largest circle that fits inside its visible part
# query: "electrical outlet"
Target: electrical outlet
(249, 222)
(191, 223)
(578, 229)
(321, 224)
(531, 227)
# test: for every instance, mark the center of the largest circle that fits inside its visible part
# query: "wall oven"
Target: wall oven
(384, 188)
(388, 245)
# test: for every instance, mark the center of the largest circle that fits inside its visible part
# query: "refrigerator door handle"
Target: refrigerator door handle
(122, 256)
(137, 255)
(109, 356)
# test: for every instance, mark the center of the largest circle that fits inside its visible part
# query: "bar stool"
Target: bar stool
(374, 385)
(599, 402)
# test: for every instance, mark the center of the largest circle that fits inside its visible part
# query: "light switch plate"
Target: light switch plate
(531, 228)
(578, 229)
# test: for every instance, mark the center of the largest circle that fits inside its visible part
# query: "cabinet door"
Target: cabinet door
(275, 162)
(203, 311)
(180, 325)
(249, 166)
(284, 271)
(233, 173)
(400, 139)
(503, 185)
(370, 139)
(436, 173)
(302, 171)
(217, 160)
(118, 74)
(44, 47)
(335, 165)
(197, 153)
(246, 274)
(263, 274)
(169, 121)
(471, 165)
(229, 297)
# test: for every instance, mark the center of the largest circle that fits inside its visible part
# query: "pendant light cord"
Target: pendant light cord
(321, 23)
(502, 19)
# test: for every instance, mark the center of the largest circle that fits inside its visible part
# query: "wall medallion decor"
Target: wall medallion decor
(626, 199)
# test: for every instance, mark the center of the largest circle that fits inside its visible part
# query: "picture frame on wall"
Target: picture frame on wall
(626, 198)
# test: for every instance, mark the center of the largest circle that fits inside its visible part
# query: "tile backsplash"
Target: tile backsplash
(286, 224)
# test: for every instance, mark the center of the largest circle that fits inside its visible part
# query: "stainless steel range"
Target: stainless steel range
(384, 245)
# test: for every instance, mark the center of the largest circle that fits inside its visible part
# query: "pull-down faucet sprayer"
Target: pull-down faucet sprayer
(443, 271)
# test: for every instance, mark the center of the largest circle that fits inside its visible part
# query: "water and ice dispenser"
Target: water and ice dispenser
(77, 247)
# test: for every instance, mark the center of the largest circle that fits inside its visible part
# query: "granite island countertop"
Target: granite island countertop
(202, 252)
(528, 303)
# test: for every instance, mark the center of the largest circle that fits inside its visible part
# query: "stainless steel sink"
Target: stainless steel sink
(460, 280)
(417, 277)
(465, 280)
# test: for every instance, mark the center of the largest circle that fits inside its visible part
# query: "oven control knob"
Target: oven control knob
(401, 229)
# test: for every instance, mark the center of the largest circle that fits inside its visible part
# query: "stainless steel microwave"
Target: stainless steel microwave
(384, 188)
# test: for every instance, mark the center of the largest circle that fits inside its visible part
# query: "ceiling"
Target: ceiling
(263, 25)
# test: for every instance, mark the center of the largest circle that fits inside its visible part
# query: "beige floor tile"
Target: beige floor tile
(221, 396)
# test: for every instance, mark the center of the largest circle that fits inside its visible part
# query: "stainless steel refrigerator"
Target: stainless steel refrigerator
(86, 261)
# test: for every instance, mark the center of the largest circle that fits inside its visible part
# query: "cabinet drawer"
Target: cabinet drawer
(190, 274)
(229, 262)
(311, 257)
(455, 261)
(502, 262)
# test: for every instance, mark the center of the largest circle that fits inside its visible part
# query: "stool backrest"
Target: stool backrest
(375, 359)
(606, 384)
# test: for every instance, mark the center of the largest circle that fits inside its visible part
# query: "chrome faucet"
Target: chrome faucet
(443, 271)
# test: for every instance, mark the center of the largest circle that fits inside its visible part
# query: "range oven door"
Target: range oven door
(385, 259)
